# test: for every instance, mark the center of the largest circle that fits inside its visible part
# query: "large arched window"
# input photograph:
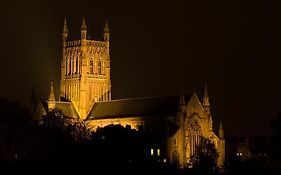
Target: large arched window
(91, 66)
(194, 134)
(76, 65)
(99, 67)
(69, 66)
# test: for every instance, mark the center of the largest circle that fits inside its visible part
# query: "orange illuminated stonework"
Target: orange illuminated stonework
(176, 123)
(85, 70)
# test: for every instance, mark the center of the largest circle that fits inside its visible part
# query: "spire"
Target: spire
(65, 29)
(52, 94)
(106, 32)
(206, 97)
(83, 26)
(51, 100)
(221, 131)
(106, 27)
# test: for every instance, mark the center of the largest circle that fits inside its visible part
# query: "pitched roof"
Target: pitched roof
(66, 108)
(136, 107)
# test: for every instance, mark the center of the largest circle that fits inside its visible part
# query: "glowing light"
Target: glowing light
(158, 152)
(151, 152)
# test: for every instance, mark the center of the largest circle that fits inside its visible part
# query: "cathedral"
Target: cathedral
(176, 123)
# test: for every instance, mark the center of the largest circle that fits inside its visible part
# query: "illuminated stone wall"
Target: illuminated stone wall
(192, 122)
(134, 122)
(85, 70)
(195, 122)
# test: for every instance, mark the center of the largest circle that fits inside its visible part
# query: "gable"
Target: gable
(194, 106)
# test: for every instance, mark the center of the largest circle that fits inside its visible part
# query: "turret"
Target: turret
(207, 107)
(221, 131)
(51, 99)
(64, 31)
(206, 103)
(83, 30)
(181, 110)
(84, 70)
(63, 60)
(106, 31)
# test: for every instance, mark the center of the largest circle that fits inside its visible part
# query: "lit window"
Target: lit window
(151, 152)
(165, 160)
(91, 66)
(158, 152)
(240, 154)
(99, 67)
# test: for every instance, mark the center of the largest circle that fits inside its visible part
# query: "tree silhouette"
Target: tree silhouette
(205, 156)
(75, 127)
(14, 128)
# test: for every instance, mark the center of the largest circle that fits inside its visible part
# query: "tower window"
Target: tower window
(69, 66)
(99, 67)
(76, 65)
(91, 66)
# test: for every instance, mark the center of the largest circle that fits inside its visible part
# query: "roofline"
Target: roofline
(131, 116)
(60, 101)
(139, 98)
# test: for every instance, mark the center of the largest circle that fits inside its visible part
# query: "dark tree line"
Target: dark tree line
(62, 142)
(59, 141)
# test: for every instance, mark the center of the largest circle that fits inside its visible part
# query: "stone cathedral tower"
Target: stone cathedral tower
(85, 70)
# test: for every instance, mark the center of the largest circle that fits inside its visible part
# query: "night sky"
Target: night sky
(157, 48)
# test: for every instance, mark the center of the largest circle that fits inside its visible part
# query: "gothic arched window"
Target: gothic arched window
(91, 66)
(99, 67)
(76, 65)
(69, 66)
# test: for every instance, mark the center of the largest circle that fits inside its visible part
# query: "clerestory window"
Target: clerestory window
(91, 66)
(99, 67)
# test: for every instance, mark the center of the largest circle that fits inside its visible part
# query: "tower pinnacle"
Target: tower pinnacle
(83, 31)
(83, 26)
(106, 27)
(52, 99)
(106, 32)
(65, 29)
(206, 102)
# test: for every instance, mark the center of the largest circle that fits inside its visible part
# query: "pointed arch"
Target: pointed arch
(99, 67)
(91, 66)
(69, 66)
(194, 132)
(76, 65)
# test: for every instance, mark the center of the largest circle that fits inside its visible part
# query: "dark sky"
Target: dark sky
(157, 48)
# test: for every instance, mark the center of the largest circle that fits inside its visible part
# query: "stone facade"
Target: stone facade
(85, 70)
(177, 123)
